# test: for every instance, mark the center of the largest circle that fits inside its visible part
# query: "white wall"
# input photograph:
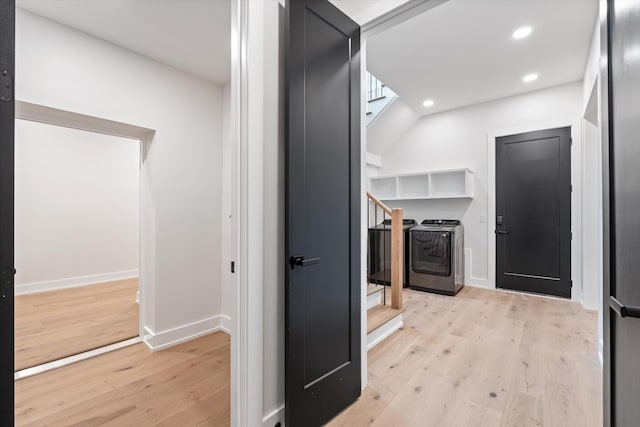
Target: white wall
(458, 139)
(392, 124)
(77, 207)
(62, 68)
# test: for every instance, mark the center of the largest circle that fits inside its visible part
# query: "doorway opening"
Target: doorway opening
(170, 92)
(431, 152)
(77, 228)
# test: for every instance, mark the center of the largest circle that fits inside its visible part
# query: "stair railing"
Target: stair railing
(383, 267)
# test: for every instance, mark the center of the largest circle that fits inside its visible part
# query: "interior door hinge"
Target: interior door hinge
(6, 86)
(571, 188)
(570, 141)
(571, 283)
(233, 266)
(571, 235)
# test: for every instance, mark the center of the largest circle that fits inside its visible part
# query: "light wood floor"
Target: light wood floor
(484, 358)
(52, 325)
(186, 385)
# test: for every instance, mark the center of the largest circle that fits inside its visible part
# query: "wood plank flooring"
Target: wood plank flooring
(56, 324)
(186, 385)
(484, 358)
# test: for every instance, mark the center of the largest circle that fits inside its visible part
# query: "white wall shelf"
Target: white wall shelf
(446, 184)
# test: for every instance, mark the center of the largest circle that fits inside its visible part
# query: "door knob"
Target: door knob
(301, 261)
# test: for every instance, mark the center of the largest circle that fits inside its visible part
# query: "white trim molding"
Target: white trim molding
(384, 331)
(54, 116)
(576, 196)
(165, 339)
(55, 364)
(73, 282)
(373, 24)
(248, 109)
(274, 417)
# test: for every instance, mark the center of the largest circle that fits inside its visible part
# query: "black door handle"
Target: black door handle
(623, 310)
(501, 232)
(300, 260)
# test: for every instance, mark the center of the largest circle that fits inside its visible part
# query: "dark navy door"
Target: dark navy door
(7, 117)
(322, 357)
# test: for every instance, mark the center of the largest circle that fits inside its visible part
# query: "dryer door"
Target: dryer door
(431, 252)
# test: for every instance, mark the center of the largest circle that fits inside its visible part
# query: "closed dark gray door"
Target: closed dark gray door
(7, 113)
(533, 212)
(322, 357)
(622, 236)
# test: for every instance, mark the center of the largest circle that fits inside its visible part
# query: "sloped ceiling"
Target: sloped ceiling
(462, 52)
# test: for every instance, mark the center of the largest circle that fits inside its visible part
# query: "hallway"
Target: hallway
(484, 358)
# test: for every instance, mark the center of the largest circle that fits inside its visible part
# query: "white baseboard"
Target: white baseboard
(377, 336)
(225, 323)
(165, 339)
(374, 299)
(73, 282)
(475, 282)
(274, 417)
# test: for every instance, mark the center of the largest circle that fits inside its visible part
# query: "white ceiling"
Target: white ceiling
(190, 35)
(463, 53)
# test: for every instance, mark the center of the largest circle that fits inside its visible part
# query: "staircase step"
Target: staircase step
(379, 315)
(374, 299)
(372, 289)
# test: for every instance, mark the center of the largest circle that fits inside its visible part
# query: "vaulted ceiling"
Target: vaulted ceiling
(462, 52)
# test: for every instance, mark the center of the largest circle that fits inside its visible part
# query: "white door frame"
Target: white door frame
(146, 225)
(247, 110)
(576, 196)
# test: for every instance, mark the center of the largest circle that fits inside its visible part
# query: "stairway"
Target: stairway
(379, 98)
(382, 320)
(385, 261)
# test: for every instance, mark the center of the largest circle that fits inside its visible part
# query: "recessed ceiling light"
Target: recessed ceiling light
(530, 78)
(428, 103)
(522, 32)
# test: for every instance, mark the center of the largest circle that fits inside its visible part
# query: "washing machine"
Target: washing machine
(436, 260)
(379, 258)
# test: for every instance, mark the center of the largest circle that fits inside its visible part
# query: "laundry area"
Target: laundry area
(479, 141)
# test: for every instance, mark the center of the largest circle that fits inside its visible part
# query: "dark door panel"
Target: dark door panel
(533, 208)
(7, 118)
(622, 205)
(323, 213)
